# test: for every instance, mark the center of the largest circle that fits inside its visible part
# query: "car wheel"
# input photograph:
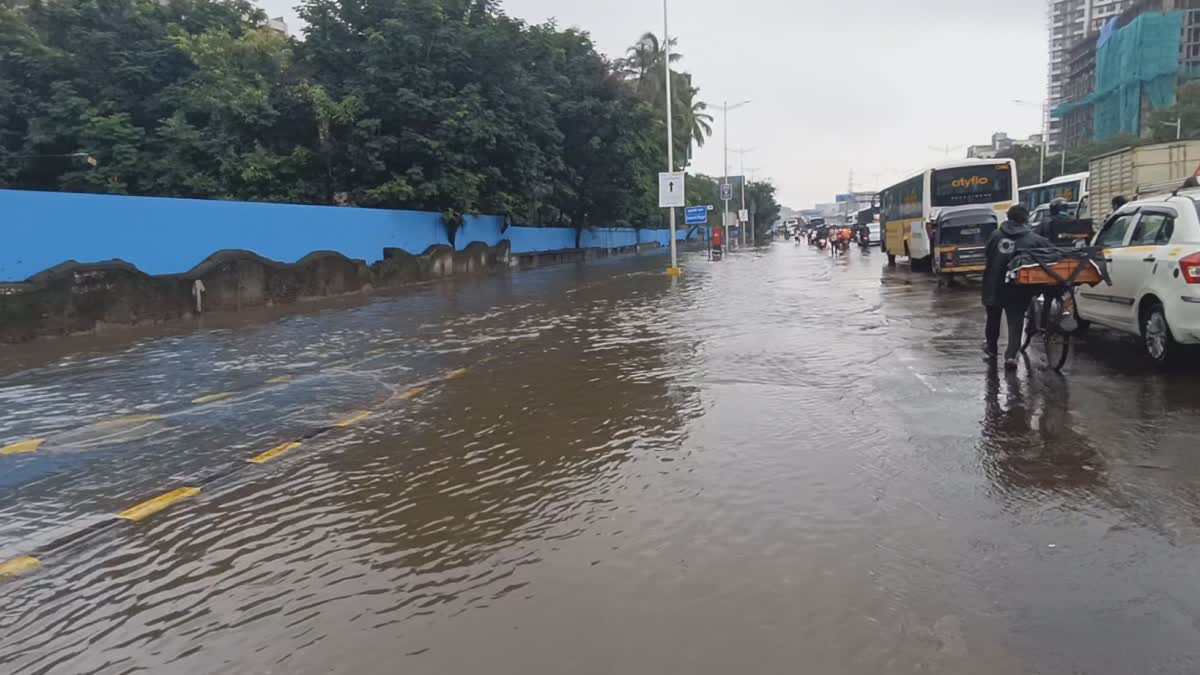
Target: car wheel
(1156, 336)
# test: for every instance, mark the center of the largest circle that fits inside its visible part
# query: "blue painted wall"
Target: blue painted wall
(524, 239)
(486, 229)
(169, 236)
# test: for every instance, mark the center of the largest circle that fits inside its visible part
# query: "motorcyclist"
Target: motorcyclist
(1001, 297)
(1059, 214)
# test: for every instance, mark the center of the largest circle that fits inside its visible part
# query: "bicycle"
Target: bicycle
(1055, 273)
(1051, 315)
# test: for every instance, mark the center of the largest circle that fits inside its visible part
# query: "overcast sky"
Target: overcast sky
(864, 85)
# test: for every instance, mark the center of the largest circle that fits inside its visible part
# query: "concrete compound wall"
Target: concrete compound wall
(39, 230)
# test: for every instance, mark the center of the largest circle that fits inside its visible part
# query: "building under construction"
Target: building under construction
(1131, 67)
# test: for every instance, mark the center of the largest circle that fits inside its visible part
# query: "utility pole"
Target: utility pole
(674, 268)
(725, 107)
(742, 156)
(1178, 124)
(853, 203)
(946, 148)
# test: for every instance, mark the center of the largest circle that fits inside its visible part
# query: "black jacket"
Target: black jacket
(1052, 226)
(1007, 240)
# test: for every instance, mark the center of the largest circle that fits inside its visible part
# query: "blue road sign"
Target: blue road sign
(726, 191)
(695, 215)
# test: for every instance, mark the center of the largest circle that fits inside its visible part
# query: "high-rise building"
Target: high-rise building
(1079, 79)
(1071, 21)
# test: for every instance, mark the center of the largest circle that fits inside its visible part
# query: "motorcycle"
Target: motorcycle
(864, 238)
(822, 242)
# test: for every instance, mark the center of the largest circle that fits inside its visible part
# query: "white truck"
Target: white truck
(1143, 170)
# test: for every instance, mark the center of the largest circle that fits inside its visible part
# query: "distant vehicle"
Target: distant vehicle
(1143, 170)
(1083, 209)
(1070, 187)
(874, 229)
(908, 208)
(1153, 252)
(1039, 214)
(960, 237)
(791, 223)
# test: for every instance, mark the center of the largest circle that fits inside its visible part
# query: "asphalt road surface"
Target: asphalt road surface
(775, 463)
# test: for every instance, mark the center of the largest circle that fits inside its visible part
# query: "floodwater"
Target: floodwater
(776, 463)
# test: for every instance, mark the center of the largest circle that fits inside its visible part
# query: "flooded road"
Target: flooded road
(777, 463)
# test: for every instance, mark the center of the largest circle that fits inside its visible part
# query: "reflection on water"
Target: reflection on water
(780, 460)
(1029, 438)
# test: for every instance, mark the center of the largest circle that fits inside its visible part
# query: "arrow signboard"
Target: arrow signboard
(695, 215)
(726, 191)
(670, 190)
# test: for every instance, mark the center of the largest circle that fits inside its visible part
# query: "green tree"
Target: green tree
(441, 105)
(1028, 161)
(1186, 111)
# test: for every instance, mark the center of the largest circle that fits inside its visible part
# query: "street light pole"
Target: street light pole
(725, 107)
(725, 179)
(674, 268)
(742, 157)
(1178, 124)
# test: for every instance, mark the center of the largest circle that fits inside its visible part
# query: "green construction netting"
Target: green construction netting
(1141, 59)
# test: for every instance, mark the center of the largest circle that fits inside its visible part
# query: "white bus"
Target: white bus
(1071, 187)
(908, 208)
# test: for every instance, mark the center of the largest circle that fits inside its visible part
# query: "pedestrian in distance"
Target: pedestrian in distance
(1001, 297)
(1118, 202)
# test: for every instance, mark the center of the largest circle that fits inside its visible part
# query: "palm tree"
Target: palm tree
(643, 66)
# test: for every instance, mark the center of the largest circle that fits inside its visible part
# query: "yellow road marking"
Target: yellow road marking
(22, 447)
(411, 393)
(280, 378)
(351, 419)
(213, 397)
(377, 351)
(153, 506)
(12, 568)
(335, 364)
(129, 419)
(455, 374)
(273, 452)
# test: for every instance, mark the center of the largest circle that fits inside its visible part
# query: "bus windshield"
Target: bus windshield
(964, 185)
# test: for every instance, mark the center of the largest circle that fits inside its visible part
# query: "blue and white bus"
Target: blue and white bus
(1071, 187)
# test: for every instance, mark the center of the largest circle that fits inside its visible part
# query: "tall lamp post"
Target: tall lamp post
(741, 152)
(725, 108)
(674, 268)
(1045, 107)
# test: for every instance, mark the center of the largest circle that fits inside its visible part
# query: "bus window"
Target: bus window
(960, 186)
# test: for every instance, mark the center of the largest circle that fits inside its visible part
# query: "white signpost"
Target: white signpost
(744, 215)
(670, 190)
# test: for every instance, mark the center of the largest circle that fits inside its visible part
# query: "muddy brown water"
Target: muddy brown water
(778, 463)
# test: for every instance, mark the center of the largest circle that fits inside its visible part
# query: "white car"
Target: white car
(1152, 247)
(873, 228)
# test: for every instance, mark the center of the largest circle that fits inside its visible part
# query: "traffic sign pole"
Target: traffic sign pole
(673, 270)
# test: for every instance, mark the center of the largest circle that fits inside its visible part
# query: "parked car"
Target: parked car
(1039, 214)
(1153, 251)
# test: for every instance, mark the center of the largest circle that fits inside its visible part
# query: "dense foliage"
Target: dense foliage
(442, 105)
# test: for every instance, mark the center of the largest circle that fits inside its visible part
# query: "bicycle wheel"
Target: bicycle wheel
(1031, 324)
(1055, 340)
(1057, 344)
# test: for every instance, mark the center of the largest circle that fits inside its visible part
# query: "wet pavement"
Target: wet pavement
(777, 463)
